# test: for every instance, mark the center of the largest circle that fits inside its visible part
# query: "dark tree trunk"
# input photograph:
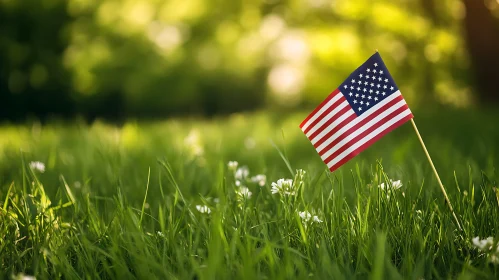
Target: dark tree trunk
(482, 38)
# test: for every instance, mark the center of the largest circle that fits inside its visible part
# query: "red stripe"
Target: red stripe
(336, 91)
(370, 142)
(326, 112)
(363, 134)
(330, 121)
(334, 130)
(360, 124)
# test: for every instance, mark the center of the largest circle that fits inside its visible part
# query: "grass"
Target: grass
(119, 202)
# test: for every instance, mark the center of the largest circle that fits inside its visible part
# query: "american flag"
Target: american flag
(364, 108)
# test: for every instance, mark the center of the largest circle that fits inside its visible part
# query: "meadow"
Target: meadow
(203, 199)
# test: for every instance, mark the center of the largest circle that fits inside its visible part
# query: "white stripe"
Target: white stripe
(324, 108)
(357, 120)
(327, 117)
(333, 125)
(369, 137)
(363, 128)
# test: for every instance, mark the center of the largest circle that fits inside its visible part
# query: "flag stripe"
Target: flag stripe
(346, 114)
(328, 112)
(330, 100)
(331, 132)
(317, 142)
(317, 110)
(371, 136)
(348, 129)
(332, 117)
(360, 131)
(369, 143)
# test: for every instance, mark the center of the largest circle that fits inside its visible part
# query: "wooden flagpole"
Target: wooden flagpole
(435, 171)
(436, 174)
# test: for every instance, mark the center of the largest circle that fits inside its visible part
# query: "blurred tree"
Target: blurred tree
(32, 78)
(482, 38)
(120, 58)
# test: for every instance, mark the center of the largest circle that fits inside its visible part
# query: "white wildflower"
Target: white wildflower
(22, 276)
(238, 183)
(484, 244)
(203, 209)
(244, 192)
(283, 187)
(317, 220)
(232, 165)
(487, 246)
(216, 200)
(37, 165)
(260, 179)
(242, 173)
(306, 217)
(394, 185)
(160, 234)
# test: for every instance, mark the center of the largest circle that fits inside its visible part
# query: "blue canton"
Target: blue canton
(367, 86)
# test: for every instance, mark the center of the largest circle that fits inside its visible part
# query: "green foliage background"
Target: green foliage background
(121, 58)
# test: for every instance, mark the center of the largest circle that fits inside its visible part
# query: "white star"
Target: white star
(359, 82)
(383, 93)
(381, 72)
(370, 91)
(361, 75)
(356, 95)
(363, 96)
(361, 102)
(369, 97)
(379, 79)
(378, 85)
(391, 88)
(367, 77)
(345, 86)
(386, 80)
(367, 103)
(374, 77)
(372, 84)
(377, 92)
(354, 101)
(384, 86)
(366, 83)
(350, 94)
(351, 87)
(375, 69)
(375, 64)
(360, 108)
(364, 90)
(353, 81)
(368, 70)
(358, 88)
(375, 99)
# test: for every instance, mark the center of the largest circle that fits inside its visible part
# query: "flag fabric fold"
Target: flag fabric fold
(365, 107)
